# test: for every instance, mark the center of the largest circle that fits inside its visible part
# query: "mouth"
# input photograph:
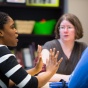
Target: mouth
(17, 38)
(65, 35)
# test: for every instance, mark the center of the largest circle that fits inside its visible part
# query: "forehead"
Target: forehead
(9, 19)
(8, 23)
(65, 22)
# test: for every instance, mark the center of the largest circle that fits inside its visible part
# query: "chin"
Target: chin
(12, 45)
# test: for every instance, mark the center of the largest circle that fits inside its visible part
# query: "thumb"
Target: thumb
(59, 62)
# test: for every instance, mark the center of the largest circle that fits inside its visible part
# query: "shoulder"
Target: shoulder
(50, 44)
(81, 45)
(4, 50)
(54, 41)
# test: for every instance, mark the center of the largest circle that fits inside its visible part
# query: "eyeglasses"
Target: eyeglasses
(68, 27)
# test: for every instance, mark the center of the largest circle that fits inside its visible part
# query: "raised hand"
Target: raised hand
(39, 62)
(52, 64)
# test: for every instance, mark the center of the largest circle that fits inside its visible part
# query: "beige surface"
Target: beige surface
(46, 85)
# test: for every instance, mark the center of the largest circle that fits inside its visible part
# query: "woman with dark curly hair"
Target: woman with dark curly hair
(11, 72)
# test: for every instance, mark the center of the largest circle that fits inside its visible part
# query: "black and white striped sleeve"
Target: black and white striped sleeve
(14, 71)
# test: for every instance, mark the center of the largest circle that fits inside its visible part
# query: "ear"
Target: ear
(1, 33)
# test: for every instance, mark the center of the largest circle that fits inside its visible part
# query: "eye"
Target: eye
(62, 27)
(70, 27)
(13, 26)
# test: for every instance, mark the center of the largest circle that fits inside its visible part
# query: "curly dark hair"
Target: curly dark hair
(3, 19)
(74, 21)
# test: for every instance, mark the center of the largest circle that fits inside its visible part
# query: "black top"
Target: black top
(10, 69)
(67, 65)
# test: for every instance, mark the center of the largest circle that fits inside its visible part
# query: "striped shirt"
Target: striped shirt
(11, 69)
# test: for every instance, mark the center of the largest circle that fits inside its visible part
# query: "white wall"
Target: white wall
(80, 9)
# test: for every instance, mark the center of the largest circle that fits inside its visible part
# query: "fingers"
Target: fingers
(59, 62)
(52, 64)
(39, 50)
(56, 56)
(53, 57)
(40, 59)
(52, 53)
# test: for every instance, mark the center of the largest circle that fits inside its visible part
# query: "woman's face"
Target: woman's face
(67, 31)
(9, 33)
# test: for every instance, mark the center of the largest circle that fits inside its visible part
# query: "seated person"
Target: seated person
(67, 30)
(11, 72)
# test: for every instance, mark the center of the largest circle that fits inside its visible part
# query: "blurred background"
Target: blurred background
(79, 8)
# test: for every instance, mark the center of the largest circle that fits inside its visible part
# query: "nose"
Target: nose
(16, 31)
(65, 29)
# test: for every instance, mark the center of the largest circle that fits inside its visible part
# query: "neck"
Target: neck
(67, 47)
(67, 44)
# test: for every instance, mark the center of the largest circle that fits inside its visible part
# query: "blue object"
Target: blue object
(79, 77)
(57, 85)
